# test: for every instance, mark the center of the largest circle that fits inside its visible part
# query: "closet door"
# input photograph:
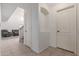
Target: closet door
(66, 28)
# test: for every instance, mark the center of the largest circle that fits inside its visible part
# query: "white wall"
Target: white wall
(44, 19)
(35, 29)
(15, 20)
(52, 24)
(44, 28)
(48, 26)
(40, 29)
(52, 28)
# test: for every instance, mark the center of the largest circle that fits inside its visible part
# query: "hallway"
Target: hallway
(12, 47)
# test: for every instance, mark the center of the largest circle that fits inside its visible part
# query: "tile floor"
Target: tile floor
(12, 47)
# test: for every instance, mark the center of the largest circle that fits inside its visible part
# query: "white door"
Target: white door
(27, 28)
(66, 28)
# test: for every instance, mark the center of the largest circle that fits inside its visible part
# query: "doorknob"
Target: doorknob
(58, 31)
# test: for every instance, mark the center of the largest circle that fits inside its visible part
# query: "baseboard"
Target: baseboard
(65, 50)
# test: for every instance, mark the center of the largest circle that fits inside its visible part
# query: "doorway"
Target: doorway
(12, 31)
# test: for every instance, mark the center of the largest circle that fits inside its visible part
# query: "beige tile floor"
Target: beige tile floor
(12, 47)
